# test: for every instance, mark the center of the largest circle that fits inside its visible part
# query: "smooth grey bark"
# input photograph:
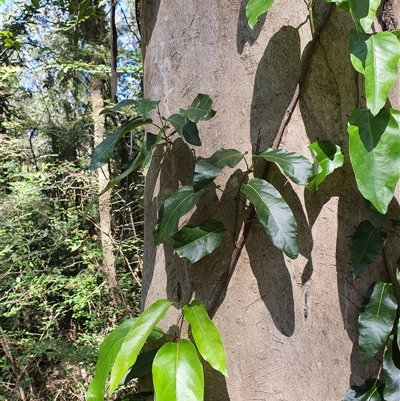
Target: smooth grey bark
(289, 326)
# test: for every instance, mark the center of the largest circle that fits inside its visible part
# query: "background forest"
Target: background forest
(65, 279)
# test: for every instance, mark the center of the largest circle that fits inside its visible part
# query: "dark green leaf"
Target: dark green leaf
(366, 244)
(376, 56)
(255, 8)
(200, 109)
(142, 396)
(108, 351)
(149, 141)
(194, 243)
(297, 167)
(274, 215)
(174, 207)
(142, 366)
(190, 133)
(378, 218)
(371, 390)
(391, 372)
(122, 103)
(135, 339)
(206, 336)
(327, 158)
(178, 373)
(363, 12)
(146, 106)
(177, 122)
(374, 149)
(206, 170)
(376, 319)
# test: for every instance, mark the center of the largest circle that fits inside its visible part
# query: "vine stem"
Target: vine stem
(225, 279)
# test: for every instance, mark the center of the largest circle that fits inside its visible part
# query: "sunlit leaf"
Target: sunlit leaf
(119, 105)
(146, 106)
(327, 158)
(371, 390)
(200, 109)
(178, 373)
(376, 56)
(297, 167)
(135, 339)
(363, 12)
(391, 372)
(374, 149)
(274, 215)
(255, 8)
(343, 4)
(206, 336)
(366, 244)
(376, 319)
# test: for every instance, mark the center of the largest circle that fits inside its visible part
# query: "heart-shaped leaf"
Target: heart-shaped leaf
(297, 167)
(194, 243)
(178, 373)
(274, 215)
(363, 12)
(374, 149)
(371, 390)
(255, 8)
(366, 244)
(391, 372)
(206, 336)
(376, 319)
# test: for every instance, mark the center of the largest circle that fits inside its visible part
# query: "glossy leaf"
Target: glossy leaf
(376, 319)
(327, 158)
(371, 390)
(108, 351)
(174, 207)
(376, 56)
(391, 372)
(206, 336)
(206, 170)
(363, 12)
(178, 373)
(297, 167)
(200, 109)
(135, 339)
(142, 366)
(274, 215)
(146, 106)
(256, 8)
(186, 129)
(194, 243)
(374, 149)
(366, 244)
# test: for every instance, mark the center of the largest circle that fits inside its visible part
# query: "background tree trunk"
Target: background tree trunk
(289, 326)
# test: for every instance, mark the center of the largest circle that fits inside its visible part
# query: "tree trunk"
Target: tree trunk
(289, 326)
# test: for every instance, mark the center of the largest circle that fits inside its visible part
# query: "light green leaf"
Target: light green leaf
(255, 8)
(146, 106)
(374, 149)
(194, 243)
(366, 244)
(142, 366)
(376, 319)
(206, 170)
(343, 4)
(297, 167)
(200, 109)
(135, 339)
(274, 215)
(327, 158)
(363, 12)
(371, 390)
(174, 207)
(391, 372)
(108, 350)
(206, 336)
(376, 56)
(178, 373)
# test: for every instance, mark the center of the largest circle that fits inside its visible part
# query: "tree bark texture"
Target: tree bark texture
(289, 326)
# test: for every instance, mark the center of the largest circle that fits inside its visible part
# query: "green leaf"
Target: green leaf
(255, 8)
(366, 244)
(149, 141)
(297, 167)
(376, 319)
(206, 170)
(391, 372)
(371, 390)
(142, 366)
(194, 243)
(343, 4)
(135, 340)
(186, 129)
(374, 149)
(174, 207)
(376, 56)
(119, 105)
(146, 106)
(103, 152)
(274, 215)
(327, 158)
(142, 396)
(200, 109)
(363, 12)
(206, 336)
(108, 350)
(377, 218)
(178, 373)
